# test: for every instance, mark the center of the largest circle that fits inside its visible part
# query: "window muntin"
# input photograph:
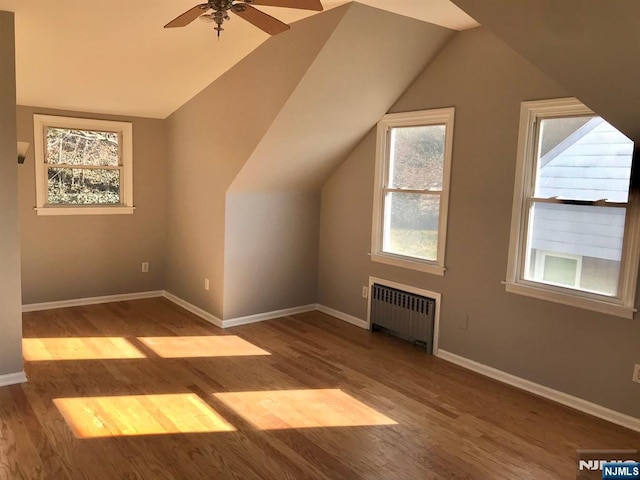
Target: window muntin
(83, 166)
(573, 203)
(412, 180)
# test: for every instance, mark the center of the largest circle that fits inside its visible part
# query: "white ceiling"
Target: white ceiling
(115, 57)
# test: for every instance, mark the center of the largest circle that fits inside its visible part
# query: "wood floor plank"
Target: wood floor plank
(141, 390)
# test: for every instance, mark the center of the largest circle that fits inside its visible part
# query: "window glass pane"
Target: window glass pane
(411, 225)
(83, 186)
(591, 235)
(560, 270)
(82, 147)
(417, 157)
(582, 158)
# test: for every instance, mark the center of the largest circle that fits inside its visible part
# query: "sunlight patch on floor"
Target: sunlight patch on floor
(285, 409)
(97, 417)
(79, 348)
(204, 346)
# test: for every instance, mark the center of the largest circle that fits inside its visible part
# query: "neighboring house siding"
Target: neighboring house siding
(592, 164)
(599, 275)
(597, 159)
(585, 231)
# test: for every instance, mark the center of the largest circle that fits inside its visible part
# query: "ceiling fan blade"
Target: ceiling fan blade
(187, 17)
(301, 4)
(265, 22)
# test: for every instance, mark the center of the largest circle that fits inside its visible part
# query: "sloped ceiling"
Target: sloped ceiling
(209, 141)
(369, 60)
(590, 48)
(115, 57)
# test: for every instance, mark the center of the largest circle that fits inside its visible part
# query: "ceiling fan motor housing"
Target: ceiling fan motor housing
(220, 5)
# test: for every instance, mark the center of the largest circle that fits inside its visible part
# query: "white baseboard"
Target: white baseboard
(542, 391)
(261, 317)
(78, 302)
(233, 322)
(343, 316)
(12, 379)
(206, 316)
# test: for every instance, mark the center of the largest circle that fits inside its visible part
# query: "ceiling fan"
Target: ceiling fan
(217, 11)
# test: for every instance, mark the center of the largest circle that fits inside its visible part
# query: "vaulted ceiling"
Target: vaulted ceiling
(115, 57)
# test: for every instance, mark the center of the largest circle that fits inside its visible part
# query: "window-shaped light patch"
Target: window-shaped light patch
(97, 417)
(286, 409)
(203, 346)
(79, 348)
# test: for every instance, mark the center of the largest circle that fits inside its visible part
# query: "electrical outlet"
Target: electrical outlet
(636, 373)
(365, 292)
(206, 284)
(145, 267)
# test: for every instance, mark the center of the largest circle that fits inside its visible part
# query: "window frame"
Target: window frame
(441, 116)
(622, 305)
(125, 133)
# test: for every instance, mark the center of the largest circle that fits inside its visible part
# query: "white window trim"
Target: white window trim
(426, 117)
(622, 306)
(125, 131)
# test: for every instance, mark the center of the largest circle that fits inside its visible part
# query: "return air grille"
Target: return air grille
(403, 314)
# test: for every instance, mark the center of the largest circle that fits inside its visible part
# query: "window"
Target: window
(82, 166)
(413, 161)
(558, 269)
(573, 230)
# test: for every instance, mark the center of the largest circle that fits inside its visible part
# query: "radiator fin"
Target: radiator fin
(403, 314)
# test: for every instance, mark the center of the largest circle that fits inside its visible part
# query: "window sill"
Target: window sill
(114, 210)
(608, 308)
(403, 262)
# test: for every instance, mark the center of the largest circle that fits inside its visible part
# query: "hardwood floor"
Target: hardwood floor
(144, 390)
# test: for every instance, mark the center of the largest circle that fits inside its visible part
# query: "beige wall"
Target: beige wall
(590, 48)
(271, 252)
(210, 139)
(70, 257)
(10, 316)
(577, 351)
